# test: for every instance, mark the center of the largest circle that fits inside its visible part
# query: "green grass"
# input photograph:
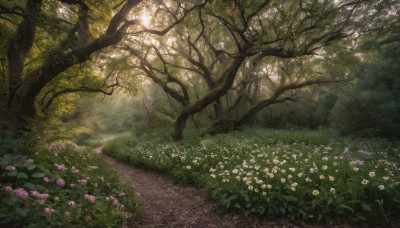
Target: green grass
(275, 173)
(82, 190)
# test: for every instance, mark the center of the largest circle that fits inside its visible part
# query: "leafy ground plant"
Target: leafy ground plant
(63, 185)
(295, 174)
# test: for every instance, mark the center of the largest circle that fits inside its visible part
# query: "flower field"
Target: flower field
(267, 173)
(63, 185)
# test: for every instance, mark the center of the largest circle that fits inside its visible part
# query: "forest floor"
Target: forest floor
(167, 204)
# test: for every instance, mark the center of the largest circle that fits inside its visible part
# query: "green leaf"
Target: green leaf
(12, 173)
(344, 206)
(31, 166)
(29, 186)
(22, 211)
(44, 170)
(22, 175)
(38, 175)
(366, 207)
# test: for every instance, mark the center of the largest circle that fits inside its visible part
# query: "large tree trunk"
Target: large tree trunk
(20, 45)
(22, 106)
(210, 97)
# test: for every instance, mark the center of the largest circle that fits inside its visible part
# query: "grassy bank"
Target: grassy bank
(294, 174)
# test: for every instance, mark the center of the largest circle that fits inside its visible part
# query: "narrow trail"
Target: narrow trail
(175, 205)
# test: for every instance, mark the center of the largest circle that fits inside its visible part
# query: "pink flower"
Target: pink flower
(11, 168)
(45, 179)
(67, 213)
(42, 202)
(20, 192)
(8, 189)
(48, 211)
(59, 167)
(87, 178)
(56, 199)
(88, 217)
(60, 182)
(95, 185)
(73, 168)
(83, 181)
(107, 198)
(76, 171)
(121, 194)
(71, 185)
(102, 178)
(122, 207)
(29, 161)
(90, 198)
(115, 202)
(71, 203)
(39, 196)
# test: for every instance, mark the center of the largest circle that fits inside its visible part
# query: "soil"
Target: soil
(167, 204)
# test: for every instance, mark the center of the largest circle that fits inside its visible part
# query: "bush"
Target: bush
(63, 185)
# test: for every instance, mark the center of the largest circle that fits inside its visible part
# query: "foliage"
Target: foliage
(63, 185)
(371, 107)
(296, 174)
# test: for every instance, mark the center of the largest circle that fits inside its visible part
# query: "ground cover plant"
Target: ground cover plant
(270, 173)
(63, 185)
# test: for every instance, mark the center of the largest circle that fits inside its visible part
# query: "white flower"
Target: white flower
(300, 174)
(264, 193)
(269, 186)
(293, 188)
(333, 191)
(292, 169)
(324, 167)
(331, 178)
(188, 167)
(250, 187)
(289, 177)
(212, 170)
(315, 192)
(213, 175)
(371, 174)
(381, 187)
(312, 170)
(356, 169)
(335, 164)
(308, 180)
(325, 159)
(294, 184)
(385, 178)
(364, 181)
(249, 174)
(263, 186)
(283, 180)
(256, 190)
(321, 177)
(260, 182)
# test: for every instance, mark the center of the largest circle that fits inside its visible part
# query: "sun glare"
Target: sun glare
(145, 18)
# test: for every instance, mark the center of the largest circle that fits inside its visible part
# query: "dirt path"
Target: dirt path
(174, 205)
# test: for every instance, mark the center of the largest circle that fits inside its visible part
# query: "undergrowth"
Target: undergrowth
(275, 173)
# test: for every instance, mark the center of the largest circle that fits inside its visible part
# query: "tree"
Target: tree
(234, 34)
(77, 36)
